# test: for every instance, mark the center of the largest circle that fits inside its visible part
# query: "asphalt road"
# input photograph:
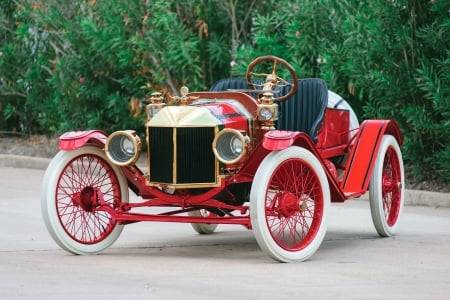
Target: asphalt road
(171, 261)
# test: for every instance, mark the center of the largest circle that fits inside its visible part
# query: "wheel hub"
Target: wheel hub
(88, 198)
(289, 204)
(391, 185)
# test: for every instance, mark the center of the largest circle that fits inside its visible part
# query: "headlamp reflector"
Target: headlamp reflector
(229, 146)
(265, 114)
(123, 147)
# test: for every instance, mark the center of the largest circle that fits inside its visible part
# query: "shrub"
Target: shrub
(389, 59)
(77, 64)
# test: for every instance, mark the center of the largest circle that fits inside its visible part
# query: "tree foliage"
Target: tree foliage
(79, 64)
(389, 59)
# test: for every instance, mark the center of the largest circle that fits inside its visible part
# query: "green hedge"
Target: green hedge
(78, 64)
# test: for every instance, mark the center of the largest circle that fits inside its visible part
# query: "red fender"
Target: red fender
(75, 139)
(360, 164)
(364, 153)
(278, 140)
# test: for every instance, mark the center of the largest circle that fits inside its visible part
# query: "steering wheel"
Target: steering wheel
(272, 80)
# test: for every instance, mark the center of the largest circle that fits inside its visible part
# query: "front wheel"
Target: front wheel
(289, 204)
(75, 184)
(386, 189)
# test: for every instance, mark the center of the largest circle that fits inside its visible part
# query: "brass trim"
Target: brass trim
(183, 116)
(174, 184)
(268, 124)
(241, 137)
(133, 137)
(186, 185)
(175, 157)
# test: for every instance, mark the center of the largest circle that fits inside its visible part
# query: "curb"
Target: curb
(412, 197)
(26, 162)
(426, 198)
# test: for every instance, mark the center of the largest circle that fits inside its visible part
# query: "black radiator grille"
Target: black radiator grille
(161, 154)
(195, 161)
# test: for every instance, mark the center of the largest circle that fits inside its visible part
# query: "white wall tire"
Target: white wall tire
(386, 189)
(70, 218)
(202, 228)
(289, 204)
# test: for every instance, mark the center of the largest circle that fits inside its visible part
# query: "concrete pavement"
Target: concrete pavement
(153, 260)
(412, 197)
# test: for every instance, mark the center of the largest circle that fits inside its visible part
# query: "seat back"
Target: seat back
(230, 84)
(234, 83)
(305, 110)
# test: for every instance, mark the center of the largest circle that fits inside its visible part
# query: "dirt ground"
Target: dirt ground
(47, 147)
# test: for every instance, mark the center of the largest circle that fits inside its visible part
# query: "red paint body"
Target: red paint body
(216, 158)
(333, 141)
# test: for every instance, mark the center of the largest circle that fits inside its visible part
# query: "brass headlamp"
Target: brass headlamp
(155, 105)
(267, 112)
(123, 147)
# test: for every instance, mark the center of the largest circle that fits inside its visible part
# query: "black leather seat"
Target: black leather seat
(304, 111)
(234, 83)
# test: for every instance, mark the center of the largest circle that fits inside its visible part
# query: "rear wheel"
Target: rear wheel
(74, 185)
(289, 203)
(202, 228)
(386, 189)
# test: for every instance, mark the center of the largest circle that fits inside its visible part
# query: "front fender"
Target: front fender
(75, 139)
(278, 139)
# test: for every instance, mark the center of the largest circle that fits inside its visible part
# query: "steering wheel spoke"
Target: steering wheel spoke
(284, 81)
(272, 80)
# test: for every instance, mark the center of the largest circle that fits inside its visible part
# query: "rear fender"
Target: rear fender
(75, 139)
(364, 153)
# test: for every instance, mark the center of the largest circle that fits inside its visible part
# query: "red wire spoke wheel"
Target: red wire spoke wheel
(75, 186)
(289, 203)
(386, 189)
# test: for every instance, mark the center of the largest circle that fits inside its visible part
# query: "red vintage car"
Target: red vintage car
(269, 152)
